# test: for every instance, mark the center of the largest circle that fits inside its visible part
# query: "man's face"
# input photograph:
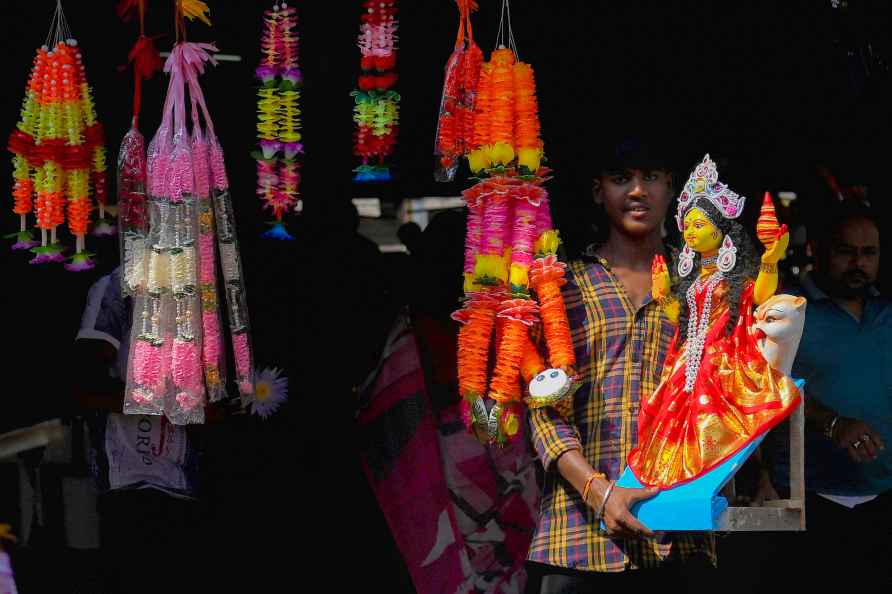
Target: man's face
(853, 261)
(635, 199)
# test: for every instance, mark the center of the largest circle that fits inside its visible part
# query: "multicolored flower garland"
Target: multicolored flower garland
(512, 274)
(58, 151)
(455, 126)
(376, 112)
(278, 122)
(177, 351)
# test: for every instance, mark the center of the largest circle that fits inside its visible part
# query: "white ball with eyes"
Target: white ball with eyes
(551, 384)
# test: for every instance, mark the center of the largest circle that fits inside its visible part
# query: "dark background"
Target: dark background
(769, 85)
(776, 88)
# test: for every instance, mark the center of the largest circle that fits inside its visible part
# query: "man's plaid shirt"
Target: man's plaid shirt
(619, 355)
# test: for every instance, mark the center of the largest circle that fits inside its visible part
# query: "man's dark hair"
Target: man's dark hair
(633, 152)
(826, 228)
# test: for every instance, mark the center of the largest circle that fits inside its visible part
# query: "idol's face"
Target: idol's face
(699, 233)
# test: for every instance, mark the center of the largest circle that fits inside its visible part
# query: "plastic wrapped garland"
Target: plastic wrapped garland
(227, 244)
(376, 111)
(455, 125)
(278, 121)
(132, 206)
(177, 356)
(133, 215)
(512, 275)
(58, 152)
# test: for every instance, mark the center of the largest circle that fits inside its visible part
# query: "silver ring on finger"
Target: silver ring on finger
(857, 444)
(865, 437)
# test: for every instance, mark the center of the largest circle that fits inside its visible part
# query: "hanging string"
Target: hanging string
(505, 37)
(465, 31)
(59, 30)
(500, 36)
(511, 42)
(179, 22)
(137, 77)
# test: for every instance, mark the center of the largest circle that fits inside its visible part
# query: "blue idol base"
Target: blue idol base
(693, 506)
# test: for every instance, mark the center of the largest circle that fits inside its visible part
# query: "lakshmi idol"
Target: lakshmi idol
(718, 393)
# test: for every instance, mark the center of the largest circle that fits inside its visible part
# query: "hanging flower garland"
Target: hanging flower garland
(278, 120)
(178, 353)
(376, 112)
(455, 125)
(512, 274)
(133, 221)
(58, 151)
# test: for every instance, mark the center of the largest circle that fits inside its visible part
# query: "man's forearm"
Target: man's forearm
(818, 416)
(576, 470)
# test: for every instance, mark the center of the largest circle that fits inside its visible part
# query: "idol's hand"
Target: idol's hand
(661, 286)
(619, 520)
(862, 442)
(778, 249)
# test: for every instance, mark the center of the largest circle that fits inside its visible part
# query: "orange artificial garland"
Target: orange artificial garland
(547, 278)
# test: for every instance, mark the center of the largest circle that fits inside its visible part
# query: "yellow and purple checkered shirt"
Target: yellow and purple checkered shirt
(619, 355)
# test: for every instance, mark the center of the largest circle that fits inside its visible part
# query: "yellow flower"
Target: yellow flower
(518, 276)
(548, 242)
(6, 533)
(530, 158)
(511, 425)
(490, 266)
(195, 9)
(478, 160)
(262, 391)
(501, 153)
(470, 284)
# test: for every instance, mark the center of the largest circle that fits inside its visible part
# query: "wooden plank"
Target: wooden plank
(797, 456)
(785, 503)
(29, 438)
(760, 519)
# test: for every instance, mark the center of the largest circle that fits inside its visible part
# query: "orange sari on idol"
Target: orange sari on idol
(736, 398)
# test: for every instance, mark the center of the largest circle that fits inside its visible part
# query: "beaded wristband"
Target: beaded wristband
(587, 489)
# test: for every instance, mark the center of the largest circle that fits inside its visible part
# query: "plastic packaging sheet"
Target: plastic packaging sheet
(133, 218)
(178, 353)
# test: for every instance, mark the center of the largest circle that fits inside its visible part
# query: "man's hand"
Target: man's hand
(862, 442)
(619, 520)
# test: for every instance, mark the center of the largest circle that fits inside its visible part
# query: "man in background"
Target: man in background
(846, 359)
(146, 467)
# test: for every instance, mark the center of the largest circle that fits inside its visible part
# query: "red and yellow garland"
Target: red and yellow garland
(512, 274)
(58, 152)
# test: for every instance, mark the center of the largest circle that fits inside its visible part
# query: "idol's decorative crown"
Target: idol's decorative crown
(704, 183)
